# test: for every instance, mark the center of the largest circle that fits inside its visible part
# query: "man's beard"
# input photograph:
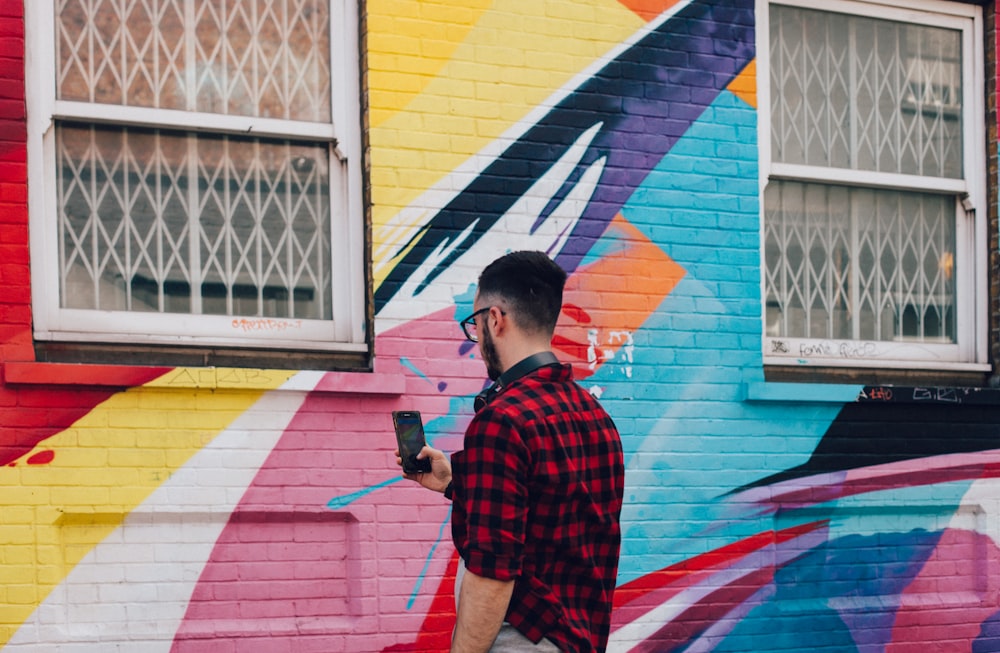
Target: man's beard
(489, 353)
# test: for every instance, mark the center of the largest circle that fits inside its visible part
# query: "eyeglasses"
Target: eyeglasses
(469, 324)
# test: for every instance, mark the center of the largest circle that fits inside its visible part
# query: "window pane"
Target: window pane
(162, 221)
(865, 94)
(261, 58)
(859, 264)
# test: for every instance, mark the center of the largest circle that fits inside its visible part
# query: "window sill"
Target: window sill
(150, 356)
(796, 375)
(825, 393)
(769, 391)
(220, 378)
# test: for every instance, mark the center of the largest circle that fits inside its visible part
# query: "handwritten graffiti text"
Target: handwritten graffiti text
(265, 324)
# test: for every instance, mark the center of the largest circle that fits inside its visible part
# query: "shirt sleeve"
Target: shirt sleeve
(494, 492)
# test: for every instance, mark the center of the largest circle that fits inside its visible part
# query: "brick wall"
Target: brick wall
(228, 509)
(15, 317)
(993, 173)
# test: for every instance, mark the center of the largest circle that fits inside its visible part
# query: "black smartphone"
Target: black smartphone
(410, 437)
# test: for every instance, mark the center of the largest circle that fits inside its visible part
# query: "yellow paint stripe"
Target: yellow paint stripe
(105, 465)
(408, 43)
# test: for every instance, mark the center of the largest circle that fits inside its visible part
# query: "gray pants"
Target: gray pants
(509, 639)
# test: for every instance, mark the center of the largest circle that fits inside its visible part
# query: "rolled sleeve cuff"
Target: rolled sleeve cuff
(490, 566)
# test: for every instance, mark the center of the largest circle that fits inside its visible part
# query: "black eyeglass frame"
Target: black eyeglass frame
(471, 322)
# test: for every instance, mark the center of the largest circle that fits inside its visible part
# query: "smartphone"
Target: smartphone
(410, 437)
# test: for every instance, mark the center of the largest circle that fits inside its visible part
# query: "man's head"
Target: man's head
(517, 305)
(528, 285)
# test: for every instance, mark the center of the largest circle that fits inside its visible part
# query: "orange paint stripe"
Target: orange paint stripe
(744, 85)
(648, 9)
(613, 295)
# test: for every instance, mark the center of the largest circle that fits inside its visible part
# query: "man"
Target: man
(538, 488)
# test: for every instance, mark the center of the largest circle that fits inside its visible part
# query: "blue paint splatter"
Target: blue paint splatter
(347, 499)
(405, 362)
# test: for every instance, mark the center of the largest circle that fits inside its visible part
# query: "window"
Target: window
(195, 173)
(872, 151)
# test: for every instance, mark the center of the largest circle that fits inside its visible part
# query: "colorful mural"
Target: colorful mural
(203, 509)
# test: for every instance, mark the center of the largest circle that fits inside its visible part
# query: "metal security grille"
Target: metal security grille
(159, 221)
(859, 264)
(852, 261)
(865, 94)
(267, 58)
(181, 221)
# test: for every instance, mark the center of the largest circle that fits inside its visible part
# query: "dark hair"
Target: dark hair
(532, 286)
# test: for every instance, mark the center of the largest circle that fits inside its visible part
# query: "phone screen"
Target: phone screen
(410, 437)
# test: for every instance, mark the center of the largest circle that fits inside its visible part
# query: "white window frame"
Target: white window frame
(346, 332)
(970, 351)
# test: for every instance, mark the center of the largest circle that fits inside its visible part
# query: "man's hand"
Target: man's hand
(440, 474)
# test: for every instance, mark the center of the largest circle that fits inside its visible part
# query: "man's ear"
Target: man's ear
(498, 319)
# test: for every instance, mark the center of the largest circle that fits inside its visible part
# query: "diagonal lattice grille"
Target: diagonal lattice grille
(260, 58)
(161, 221)
(859, 264)
(865, 94)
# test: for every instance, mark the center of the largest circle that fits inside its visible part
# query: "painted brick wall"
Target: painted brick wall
(214, 509)
(15, 318)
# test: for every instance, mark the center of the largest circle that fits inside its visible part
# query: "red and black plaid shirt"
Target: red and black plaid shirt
(537, 497)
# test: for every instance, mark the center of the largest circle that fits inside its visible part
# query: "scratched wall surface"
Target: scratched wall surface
(186, 509)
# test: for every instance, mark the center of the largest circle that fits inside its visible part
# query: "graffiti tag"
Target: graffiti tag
(879, 394)
(596, 353)
(265, 324)
(949, 395)
(816, 349)
(850, 349)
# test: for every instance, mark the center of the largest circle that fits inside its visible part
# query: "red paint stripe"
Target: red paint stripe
(705, 613)
(30, 413)
(640, 587)
(62, 374)
(435, 631)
